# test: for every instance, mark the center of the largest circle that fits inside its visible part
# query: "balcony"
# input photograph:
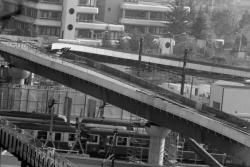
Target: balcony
(42, 22)
(145, 7)
(87, 9)
(89, 3)
(43, 6)
(99, 26)
(11, 1)
(141, 22)
(50, 1)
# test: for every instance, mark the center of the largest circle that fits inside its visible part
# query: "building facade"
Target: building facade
(145, 16)
(68, 19)
(223, 95)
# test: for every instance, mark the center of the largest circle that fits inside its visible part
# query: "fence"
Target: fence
(36, 98)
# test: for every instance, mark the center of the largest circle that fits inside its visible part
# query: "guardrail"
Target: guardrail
(27, 148)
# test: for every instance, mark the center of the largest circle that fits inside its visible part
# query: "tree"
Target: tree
(178, 18)
(148, 44)
(224, 23)
(130, 42)
(240, 42)
(201, 26)
(134, 41)
(245, 19)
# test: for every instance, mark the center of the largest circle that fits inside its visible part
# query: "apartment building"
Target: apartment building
(68, 19)
(147, 16)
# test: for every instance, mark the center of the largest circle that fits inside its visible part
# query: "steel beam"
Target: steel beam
(209, 159)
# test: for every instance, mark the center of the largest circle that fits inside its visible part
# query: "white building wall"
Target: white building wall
(68, 19)
(216, 95)
(236, 101)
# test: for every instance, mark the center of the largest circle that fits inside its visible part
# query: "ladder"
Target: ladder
(78, 136)
(180, 147)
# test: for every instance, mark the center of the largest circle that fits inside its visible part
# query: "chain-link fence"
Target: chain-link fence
(37, 98)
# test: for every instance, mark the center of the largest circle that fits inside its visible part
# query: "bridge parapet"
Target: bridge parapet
(27, 149)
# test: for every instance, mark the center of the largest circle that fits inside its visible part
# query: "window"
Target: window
(71, 10)
(84, 33)
(58, 136)
(46, 30)
(83, 2)
(30, 12)
(196, 91)
(135, 1)
(84, 17)
(157, 16)
(71, 137)
(87, 3)
(136, 142)
(122, 141)
(131, 28)
(52, 1)
(52, 15)
(134, 14)
(110, 140)
(93, 139)
(42, 135)
(216, 105)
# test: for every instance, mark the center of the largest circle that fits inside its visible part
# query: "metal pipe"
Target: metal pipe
(191, 91)
(140, 52)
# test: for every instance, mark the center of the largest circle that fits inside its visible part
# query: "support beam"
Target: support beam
(209, 159)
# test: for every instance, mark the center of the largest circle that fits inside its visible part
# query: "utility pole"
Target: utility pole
(51, 112)
(192, 82)
(183, 71)
(139, 59)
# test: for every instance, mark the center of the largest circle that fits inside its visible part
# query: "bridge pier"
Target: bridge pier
(157, 144)
(18, 75)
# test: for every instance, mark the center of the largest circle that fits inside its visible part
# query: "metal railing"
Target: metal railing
(32, 143)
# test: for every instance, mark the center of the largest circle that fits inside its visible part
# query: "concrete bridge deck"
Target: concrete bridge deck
(196, 68)
(133, 98)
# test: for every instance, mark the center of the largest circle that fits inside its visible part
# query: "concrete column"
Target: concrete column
(148, 15)
(123, 13)
(92, 34)
(31, 79)
(18, 75)
(157, 144)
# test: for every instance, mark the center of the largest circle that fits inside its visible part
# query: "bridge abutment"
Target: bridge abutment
(157, 144)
